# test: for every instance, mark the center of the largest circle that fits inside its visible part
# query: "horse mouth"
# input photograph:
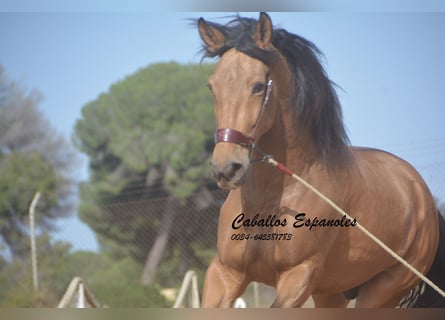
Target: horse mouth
(231, 184)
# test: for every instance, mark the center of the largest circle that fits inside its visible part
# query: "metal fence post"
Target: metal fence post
(35, 278)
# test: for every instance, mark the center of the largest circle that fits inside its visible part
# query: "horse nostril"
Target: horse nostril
(228, 172)
(231, 169)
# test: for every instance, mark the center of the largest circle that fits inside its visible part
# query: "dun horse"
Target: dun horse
(272, 94)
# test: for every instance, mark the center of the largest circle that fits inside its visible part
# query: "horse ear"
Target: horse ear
(263, 31)
(212, 37)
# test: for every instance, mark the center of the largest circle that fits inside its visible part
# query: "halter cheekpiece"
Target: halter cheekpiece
(235, 136)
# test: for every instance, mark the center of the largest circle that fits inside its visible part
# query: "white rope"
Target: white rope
(359, 226)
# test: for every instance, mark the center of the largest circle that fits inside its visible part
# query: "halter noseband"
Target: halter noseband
(235, 136)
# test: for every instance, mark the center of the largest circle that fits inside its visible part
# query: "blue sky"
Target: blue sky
(389, 65)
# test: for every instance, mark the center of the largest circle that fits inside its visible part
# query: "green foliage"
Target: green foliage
(16, 289)
(113, 282)
(168, 275)
(159, 117)
(23, 296)
(22, 175)
(149, 136)
(33, 157)
(130, 295)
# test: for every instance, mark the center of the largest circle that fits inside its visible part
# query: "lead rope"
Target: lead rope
(268, 159)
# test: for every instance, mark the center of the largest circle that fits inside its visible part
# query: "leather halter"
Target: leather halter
(235, 136)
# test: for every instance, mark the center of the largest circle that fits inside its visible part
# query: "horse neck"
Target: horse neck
(292, 149)
(264, 185)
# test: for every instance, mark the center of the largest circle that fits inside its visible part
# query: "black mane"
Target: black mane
(317, 111)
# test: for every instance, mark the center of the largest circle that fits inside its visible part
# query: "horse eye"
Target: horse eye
(258, 88)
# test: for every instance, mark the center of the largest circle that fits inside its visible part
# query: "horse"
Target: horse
(272, 97)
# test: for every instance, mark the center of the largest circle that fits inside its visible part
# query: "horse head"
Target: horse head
(243, 97)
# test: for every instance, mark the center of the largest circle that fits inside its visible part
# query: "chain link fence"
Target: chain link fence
(167, 235)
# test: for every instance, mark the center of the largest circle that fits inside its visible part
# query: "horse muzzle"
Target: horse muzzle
(230, 176)
(230, 158)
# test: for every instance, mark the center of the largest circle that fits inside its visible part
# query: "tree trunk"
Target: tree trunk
(157, 250)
